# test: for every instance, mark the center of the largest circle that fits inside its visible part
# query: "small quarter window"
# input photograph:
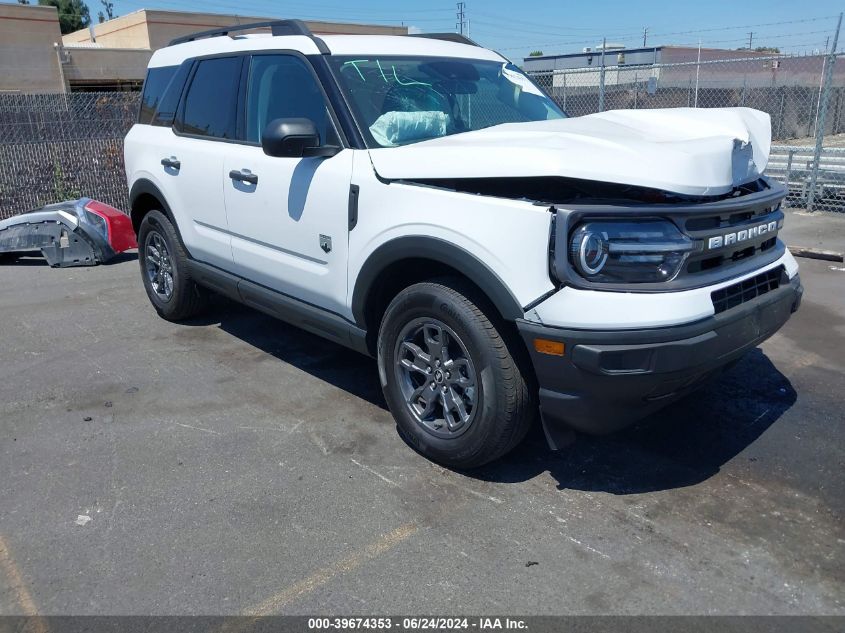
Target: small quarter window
(166, 110)
(154, 87)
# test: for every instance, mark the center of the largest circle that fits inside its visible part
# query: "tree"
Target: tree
(109, 14)
(535, 54)
(762, 49)
(73, 14)
(23, 1)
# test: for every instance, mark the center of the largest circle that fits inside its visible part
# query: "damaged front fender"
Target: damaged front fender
(81, 232)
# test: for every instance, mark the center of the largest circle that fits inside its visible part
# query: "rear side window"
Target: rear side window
(211, 102)
(154, 86)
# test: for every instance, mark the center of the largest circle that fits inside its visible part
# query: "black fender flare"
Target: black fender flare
(144, 186)
(426, 247)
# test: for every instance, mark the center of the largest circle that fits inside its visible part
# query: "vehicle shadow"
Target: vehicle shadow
(353, 372)
(682, 445)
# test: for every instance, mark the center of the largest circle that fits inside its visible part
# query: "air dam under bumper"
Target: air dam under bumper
(607, 380)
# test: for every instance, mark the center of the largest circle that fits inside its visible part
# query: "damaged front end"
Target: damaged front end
(560, 190)
(82, 232)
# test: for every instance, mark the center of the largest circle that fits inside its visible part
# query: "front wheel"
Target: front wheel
(452, 375)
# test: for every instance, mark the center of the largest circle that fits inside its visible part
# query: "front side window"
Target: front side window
(283, 87)
(211, 102)
(401, 100)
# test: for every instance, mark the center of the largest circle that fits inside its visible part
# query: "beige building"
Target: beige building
(113, 55)
(153, 29)
(29, 59)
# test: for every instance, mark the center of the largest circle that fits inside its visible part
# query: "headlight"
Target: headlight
(636, 251)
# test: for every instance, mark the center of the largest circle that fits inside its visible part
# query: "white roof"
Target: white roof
(338, 45)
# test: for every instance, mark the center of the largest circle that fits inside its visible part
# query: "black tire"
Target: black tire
(505, 402)
(182, 298)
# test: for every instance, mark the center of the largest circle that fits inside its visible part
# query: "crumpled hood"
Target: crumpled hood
(684, 150)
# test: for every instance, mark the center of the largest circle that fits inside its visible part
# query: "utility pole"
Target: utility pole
(461, 18)
(645, 36)
(750, 39)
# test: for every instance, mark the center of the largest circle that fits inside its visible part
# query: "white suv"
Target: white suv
(421, 200)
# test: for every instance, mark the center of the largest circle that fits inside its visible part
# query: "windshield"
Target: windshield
(401, 100)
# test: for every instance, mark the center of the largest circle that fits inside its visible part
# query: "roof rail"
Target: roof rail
(447, 37)
(277, 27)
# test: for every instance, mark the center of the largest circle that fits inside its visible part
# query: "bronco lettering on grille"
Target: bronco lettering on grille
(736, 237)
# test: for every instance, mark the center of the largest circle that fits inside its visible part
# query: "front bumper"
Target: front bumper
(608, 379)
(81, 232)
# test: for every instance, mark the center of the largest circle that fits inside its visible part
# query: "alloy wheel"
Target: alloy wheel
(437, 377)
(159, 265)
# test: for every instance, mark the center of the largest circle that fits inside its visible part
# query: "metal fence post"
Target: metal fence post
(564, 89)
(697, 72)
(636, 88)
(823, 102)
(789, 169)
(601, 75)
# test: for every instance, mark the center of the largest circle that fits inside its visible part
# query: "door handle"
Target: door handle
(172, 162)
(244, 176)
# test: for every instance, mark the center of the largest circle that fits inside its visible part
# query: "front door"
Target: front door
(288, 217)
(193, 159)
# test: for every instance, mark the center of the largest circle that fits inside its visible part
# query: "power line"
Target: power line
(749, 26)
(758, 36)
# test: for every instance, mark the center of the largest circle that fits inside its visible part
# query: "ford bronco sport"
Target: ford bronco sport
(421, 200)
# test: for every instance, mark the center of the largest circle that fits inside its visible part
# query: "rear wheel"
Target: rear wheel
(451, 375)
(164, 270)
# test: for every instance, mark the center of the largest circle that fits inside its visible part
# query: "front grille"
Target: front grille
(703, 228)
(738, 293)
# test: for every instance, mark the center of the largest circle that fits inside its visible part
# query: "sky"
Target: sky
(518, 28)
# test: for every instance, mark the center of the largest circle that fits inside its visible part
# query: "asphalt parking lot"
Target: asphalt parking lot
(238, 465)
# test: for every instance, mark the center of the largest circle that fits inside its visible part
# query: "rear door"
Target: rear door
(290, 225)
(205, 125)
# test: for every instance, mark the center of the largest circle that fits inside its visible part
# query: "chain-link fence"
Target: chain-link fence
(791, 89)
(59, 146)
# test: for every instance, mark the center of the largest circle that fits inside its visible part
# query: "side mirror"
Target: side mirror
(289, 137)
(294, 138)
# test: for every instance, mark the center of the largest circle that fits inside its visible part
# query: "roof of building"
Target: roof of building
(154, 28)
(648, 49)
